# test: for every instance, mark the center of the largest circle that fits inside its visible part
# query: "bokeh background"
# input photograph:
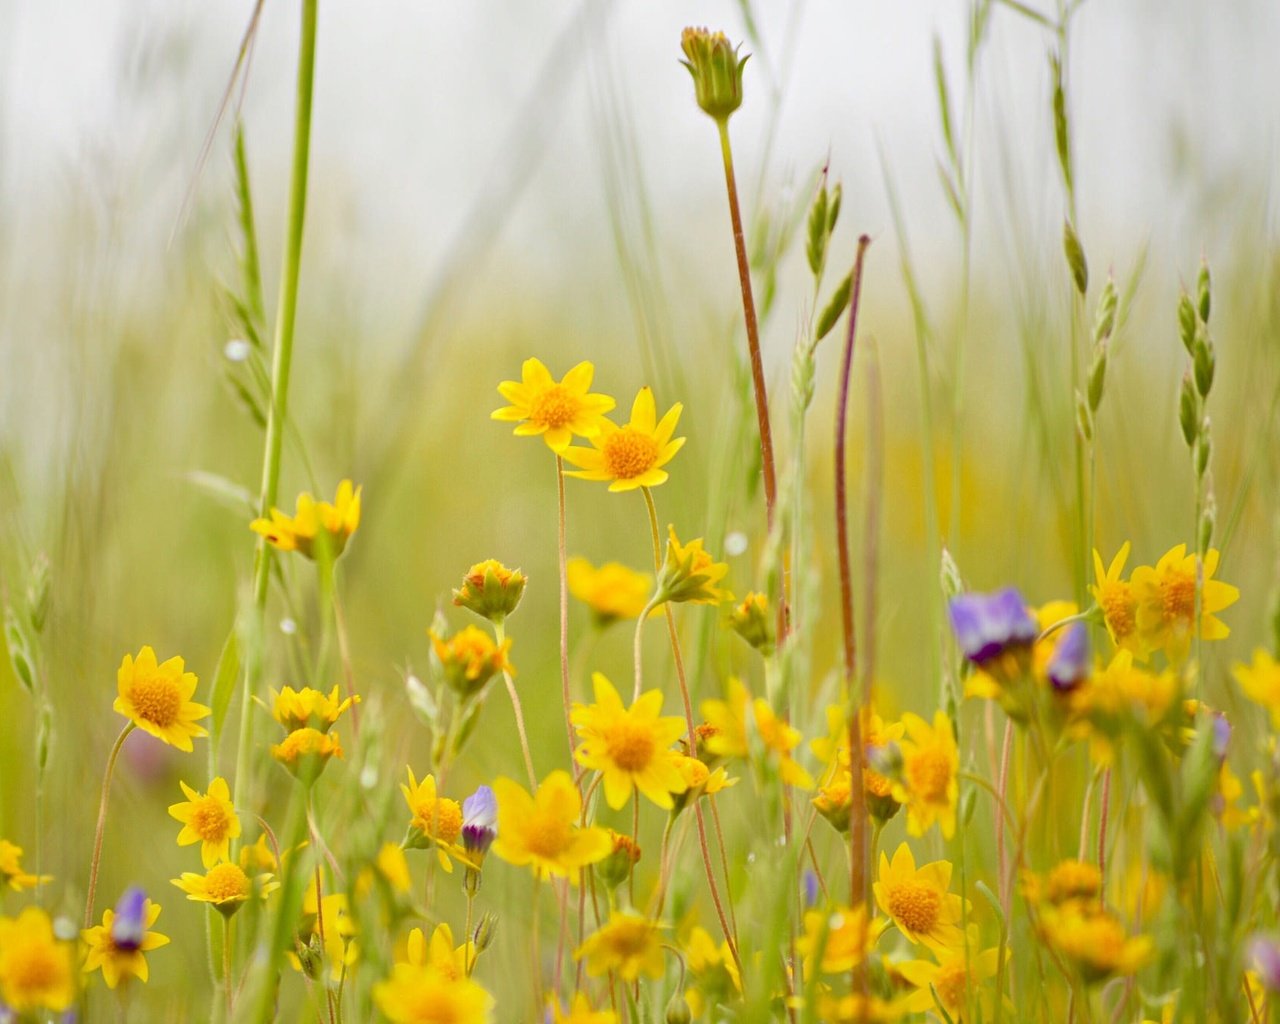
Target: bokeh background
(494, 180)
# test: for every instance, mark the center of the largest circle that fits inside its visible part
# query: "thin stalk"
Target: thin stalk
(102, 821)
(563, 558)
(637, 654)
(1103, 813)
(226, 967)
(500, 635)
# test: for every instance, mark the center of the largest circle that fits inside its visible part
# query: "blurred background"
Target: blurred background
(495, 180)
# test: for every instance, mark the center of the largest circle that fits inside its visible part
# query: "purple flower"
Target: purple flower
(129, 926)
(1221, 736)
(810, 889)
(1069, 664)
(479, 816)
(1265, 954)
(987, 625)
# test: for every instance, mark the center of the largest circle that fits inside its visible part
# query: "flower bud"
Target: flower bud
(617, 867)
(753, 621)
(1188, 411)
(678, 1010)
(1069, 665)
(485, 931)
(1204, 361)
(716, 71)
(491, 590)
(1075, 257)
(1202, 292)
(690, 574)
(1097, 376)
(1187, 325)
(469, 659)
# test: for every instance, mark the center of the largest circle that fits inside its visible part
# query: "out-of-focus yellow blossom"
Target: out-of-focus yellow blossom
(11, 873)
(1121, 692)
(434, 820)
(753, 620)
(308, 708)
(1260, 681)
(121, 957)
(1166, 597)
(332, 524)
(727, 735)
(470, 658)
(918, 900)
(1118, 603)
(36, 971)
(844, 936)
(712, 969)
(580, 1012)
(630, 747)
(1093, 942)
(1226, 802)
(439, 953)
(631, 456)
(780, 738)
(418, 995)
(858, 1009)
(542, 830)
(690, 574)
(305, 752)
(612, 592)
(541, 407)
(331, 930)
(208, 819)
(627, 944)
(957, 977)
(156, 697)
(1068, 881)
(930, 763)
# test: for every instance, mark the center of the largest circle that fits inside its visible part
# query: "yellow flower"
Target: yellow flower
(834, 796)
(858, 1009)
(611, 592)
(844, 936)
(581, 1013)
(753, 620)
(542, 830)
(418, 995)
(393, 867)
(1121, 692)
(1166, 597)
(918, 900)
(930, 762)
(710, 965)
(540, 406)
(11, 873)
(435, 819)
(1260, 682)
(226, 886)
(120, 955)
(470, 658)
(1094, 942)
(630, 747)
(955, 977)
(308, 708)
(305, 752)
(299, 532)
(440, 954)
(157, 698)
(627, 944)
(491, 590)
(35, 967)
(1119, 605)
(630, 456)
(727, 735)
(209, 820)
(330, 936)
(780, 738)
(1073, 880)
(690, 574)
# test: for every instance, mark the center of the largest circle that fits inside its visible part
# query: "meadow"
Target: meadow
(789, 606)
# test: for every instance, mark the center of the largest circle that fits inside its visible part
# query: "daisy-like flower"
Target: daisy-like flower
(1117, 694)
(1166, 596)
(631, 747)
(580, 1012)
(834, 793)
(305, 752)
(930, 763)
(542, 830)
(36, 969)
(470, 658)
(555, 412)
(844, 937)
(690, 574)
(1093, 941)
(491, 590)
(309, 709)
(11, 873)
(208, 819)
(1116, 599)
(612, 592)
(417, 995)
(781, 738)
(713, 970)
(918, 900)
(118, 944)
(314, 521)
(700, 780)
(226, 887)
(1068, 881)
(727, 735)
(631, 456)
(434, 820)
(156, 697)
(957, 978)
(1259, 680)
(627, 944)
(439, 953)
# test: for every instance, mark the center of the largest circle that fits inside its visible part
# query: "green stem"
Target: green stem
(500, 635)
(102, 822)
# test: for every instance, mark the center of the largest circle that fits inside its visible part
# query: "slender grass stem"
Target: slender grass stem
(500, 635)
(637, 650)
(562, 563)
(102, 821)
(226, 968)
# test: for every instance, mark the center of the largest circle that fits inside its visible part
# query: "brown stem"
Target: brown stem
(102, 822)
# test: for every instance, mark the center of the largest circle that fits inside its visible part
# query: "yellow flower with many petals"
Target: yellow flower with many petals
(781, 738)
(843, 936)
(156, 697)
(554, 412)
(918, 900)
(612, 592)
(439, 953)
(418, 995)
(470, 658)
(209, 820)
(542, 830)
(226, 886)
(930, 763)
(713, 969)
(36, 970)
(434, 819)
(1122, 692)
(858, 1009)
(308, 708)
(690, 574)
(1118, 603)
(305, 752)
(631, 456)
(957, 978)
(11, 873)
(1166, 597)
(1260, 682)
(580, 1013)
(727, 735)
(627, 944)
(630, 747)
(330, 524)
(1093, 941)
(118, 950)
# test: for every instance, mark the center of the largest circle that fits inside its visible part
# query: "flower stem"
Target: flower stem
(500, 635)
(636, 647)
(102, 822)
(563, 558)
(226, 966)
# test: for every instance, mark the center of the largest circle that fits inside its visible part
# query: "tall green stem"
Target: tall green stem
(102, 821)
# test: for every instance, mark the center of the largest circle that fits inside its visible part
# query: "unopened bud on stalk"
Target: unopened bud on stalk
(1202, 292)
(1105, 322)
(1097, 376)
(38, 593)
(716, 70)
(1187, 323)
(1208, 520)
(1189, 411)
(491, 590)
(1075, 257)
(678, 1010)
(753, 621)
(1204, 362)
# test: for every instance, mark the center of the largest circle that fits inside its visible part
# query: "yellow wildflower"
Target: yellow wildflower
(611, 592)
(630, 747)
(780, 738)
(299, 532)
(727, 735)
(434, 820)
(1260, 682)
(955, 978)
(1094, 942)
(541, 407)
(581, 1013)
(470, 658)
(308, 708)
(843, 936)
(209, 820)
(918, 900)
(226, 886)
(627, 944)
(690, 574)
(753, 620)
(439, 953)
(35, 966)
(305, 752)
(631, 456)
(930, 763)
(11, 873)
(1166, 597)
(1119, 605)
(117, 946)
(156, 697)
(414, 995)
(491, 590)
(330, 938)
(858, 1009)
(542, 830)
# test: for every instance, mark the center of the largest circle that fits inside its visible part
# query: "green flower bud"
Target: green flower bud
(678, 1010)
(1188, 411)
(716, 71)
(1203, 360)
(485, 932)
(1203, 449)
(1097, 376)
(38, 593)
(1187, 323)
(753, 621)
(1105, 321)
(1202, 292)
(1075, 257)
(491, 590)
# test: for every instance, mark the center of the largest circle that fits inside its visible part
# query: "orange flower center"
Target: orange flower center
(33, 968)
(226, 882)
(629, 745)
(441, 818)
(210, 821)
(952, 985)
(929, 774)
(1073, 879)
(875, 783)
(1178, 597)
(628, 939)
(547, 837)
(628, 453)
(1117, 607)
(433, 1005)
(157, 700)
(557, 406)
(915, 905)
